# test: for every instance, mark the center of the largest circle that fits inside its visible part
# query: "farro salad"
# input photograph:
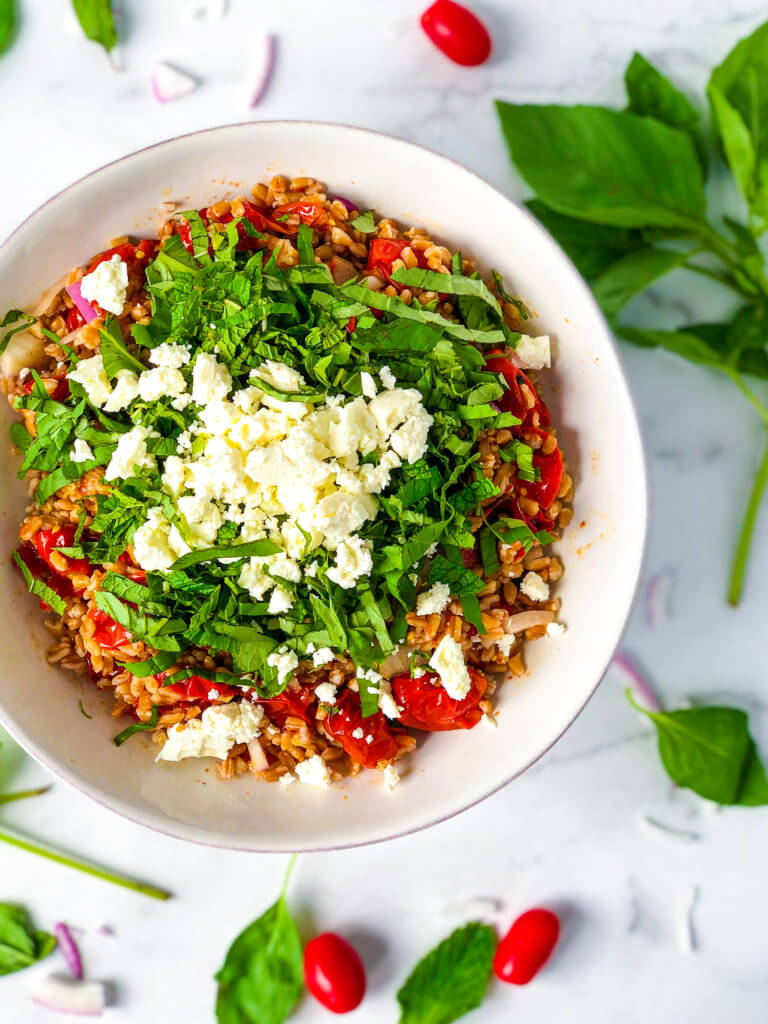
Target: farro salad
(293, 486)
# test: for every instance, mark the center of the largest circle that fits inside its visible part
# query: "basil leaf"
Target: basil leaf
(738, 93)
(97, 21)
(154, 632)
(591, 247)
(364, 222)
(7, 23)
(262, 980)
(304, 245)
(20, 944)
(152, 666)
(12, 317)
(651, 94)
(632, 274)
(451, 284)
(126, 734)
(606, 166)
(451, 980)
(682, 343)
(254, 548)
(40, 589)
(113, 351)
(709, 750)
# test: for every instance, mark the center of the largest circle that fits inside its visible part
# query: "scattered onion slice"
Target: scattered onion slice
(68, 995)
(640, 687)
(347, 203)
(260, 66)
(258, 757)
(527, 620)
(169, 83)
(69, 949)
(657, 597)
(84, 307)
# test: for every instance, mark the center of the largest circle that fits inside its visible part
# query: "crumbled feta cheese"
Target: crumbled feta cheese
(353, 560)
(448, 661)
(280, 601)
(172, 356)
(533, 353)
(321, 656)
(368, 384)
(534, 587)
(326, 693)
(285, 661)
(391, 777)
(388, 378)
(287, 779)
(211, 380)
(357, 734)
(153, 543)
(124, 392)
(369, 739)
(81, 451)
(314, 772)
(386, 701)
(556, 629)
(505, 643)
(280, 376)
(107, 285)
(92, 375)
(434, 600)
(214, 733)
(213, 694)
(161, 382)
(131, 454)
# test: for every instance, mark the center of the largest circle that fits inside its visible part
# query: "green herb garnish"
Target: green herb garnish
(21, 945)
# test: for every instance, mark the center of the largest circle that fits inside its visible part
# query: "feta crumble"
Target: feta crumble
(387, 378)
(533, 353)
(322, 656)
(214, 733)
(124, 392)
(285, 661)
(81, 451)
(534, 587)
(368, 384)
(357, 734)
(107, 285)
(556, 629)
(287, 780)
(434, 600)
(90, 373)
(314, 772)
(353, 560)
(448, 661)
(170, 355)
(326, 693)
(131, 455)
(391, 777)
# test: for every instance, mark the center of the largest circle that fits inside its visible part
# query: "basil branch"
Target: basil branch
(739, 567)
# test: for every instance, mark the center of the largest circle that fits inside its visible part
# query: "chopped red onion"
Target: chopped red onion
(68, 995)
(69, 949)
(350, 206)
(657, 597)
(169, 83)
(86, 310)
(641, 688)
(261, 64)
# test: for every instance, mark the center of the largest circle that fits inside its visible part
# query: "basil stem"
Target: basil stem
(739, 566)
(7, 798)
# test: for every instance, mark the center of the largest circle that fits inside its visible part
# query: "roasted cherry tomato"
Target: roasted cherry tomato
(309, 212)
(46, 541)
(426, 705)
(457, 32)
(527, 946)
(550, 467)
(334, 973)
(513, 400)
(347, 719)
(42, 571)
(352, 324)
(197, 688)
(126, 251)
(291, 702)
(108, 634)
(59, 394)
(75, 319)
(382, 253)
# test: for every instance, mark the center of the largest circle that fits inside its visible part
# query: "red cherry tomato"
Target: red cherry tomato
(550, 467)
(347, 719)
(426, 705)
(108, 634)
(74, 319)
(41, 571)
(382, 252)
(125, 251)
(527, 946)
(60, 392)
(46, 541)
(334, 973)
(457, 32)
(309, 211)
(512, 400)
(290, 703)
(197, 688)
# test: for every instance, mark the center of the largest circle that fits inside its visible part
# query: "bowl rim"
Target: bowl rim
(180, 830)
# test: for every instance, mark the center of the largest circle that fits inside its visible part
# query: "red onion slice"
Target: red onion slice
(68, 995)
(170, 83)
(69, 949)
(261, 65)
(640, 687)
(84, 307)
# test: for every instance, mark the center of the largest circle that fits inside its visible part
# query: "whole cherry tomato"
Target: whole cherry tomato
(334, 973)
(108, 634)
(512, 400)
(46, 541)
(426, 705)
(527, 946)
(457, 32)
(347, 720)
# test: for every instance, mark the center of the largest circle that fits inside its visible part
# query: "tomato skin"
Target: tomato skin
(291, 702)
(75, 319)
(550, 469)
(125, 251)
(426, 705)
(60, 392)
(46, 541)
(108, 634)
(347, 718)
(457, 32)
(308, 211)
(334, 973)
(512, 400)
(197, 688)
(527, 946)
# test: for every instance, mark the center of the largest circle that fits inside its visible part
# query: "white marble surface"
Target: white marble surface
(567, 833)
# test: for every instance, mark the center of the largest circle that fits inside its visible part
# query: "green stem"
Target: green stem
(88, 869)
(287, 878)
(725, 279)
(739, 567)
(7, 798)
(748, 393)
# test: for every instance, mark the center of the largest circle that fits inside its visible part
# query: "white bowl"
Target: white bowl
(602, 548)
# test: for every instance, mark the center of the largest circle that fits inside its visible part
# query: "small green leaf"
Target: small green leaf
(451, 980)
(20, 944)
(12, 317)
(254, 548)
(632, 274)
(592, 247)
(7, 23)
(39, 588)
(682, 343)
(114, 353)
(365, 222)
(126, 734)
(97, 21)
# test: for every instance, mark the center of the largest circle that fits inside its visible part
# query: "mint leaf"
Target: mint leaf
(451, 980)
(97, 21)
(651, 94)
(20, 944)
(709, 750)
(606, 166)
(261, 980)
(683, 343)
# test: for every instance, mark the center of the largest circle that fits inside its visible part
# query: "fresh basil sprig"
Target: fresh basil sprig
(451, 980)
(624, 192)
(710, 750)
(21, 945)
(262, 980)
(97, 21)
(7, 22)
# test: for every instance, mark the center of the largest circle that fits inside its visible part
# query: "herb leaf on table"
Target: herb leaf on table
(624, 194)
(20, 944)
(7, 22)
(709, 750)
(97, 21)
(262, 978)
(451, 980)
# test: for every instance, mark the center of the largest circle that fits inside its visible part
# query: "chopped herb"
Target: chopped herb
(126, 734)
(364, 222)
